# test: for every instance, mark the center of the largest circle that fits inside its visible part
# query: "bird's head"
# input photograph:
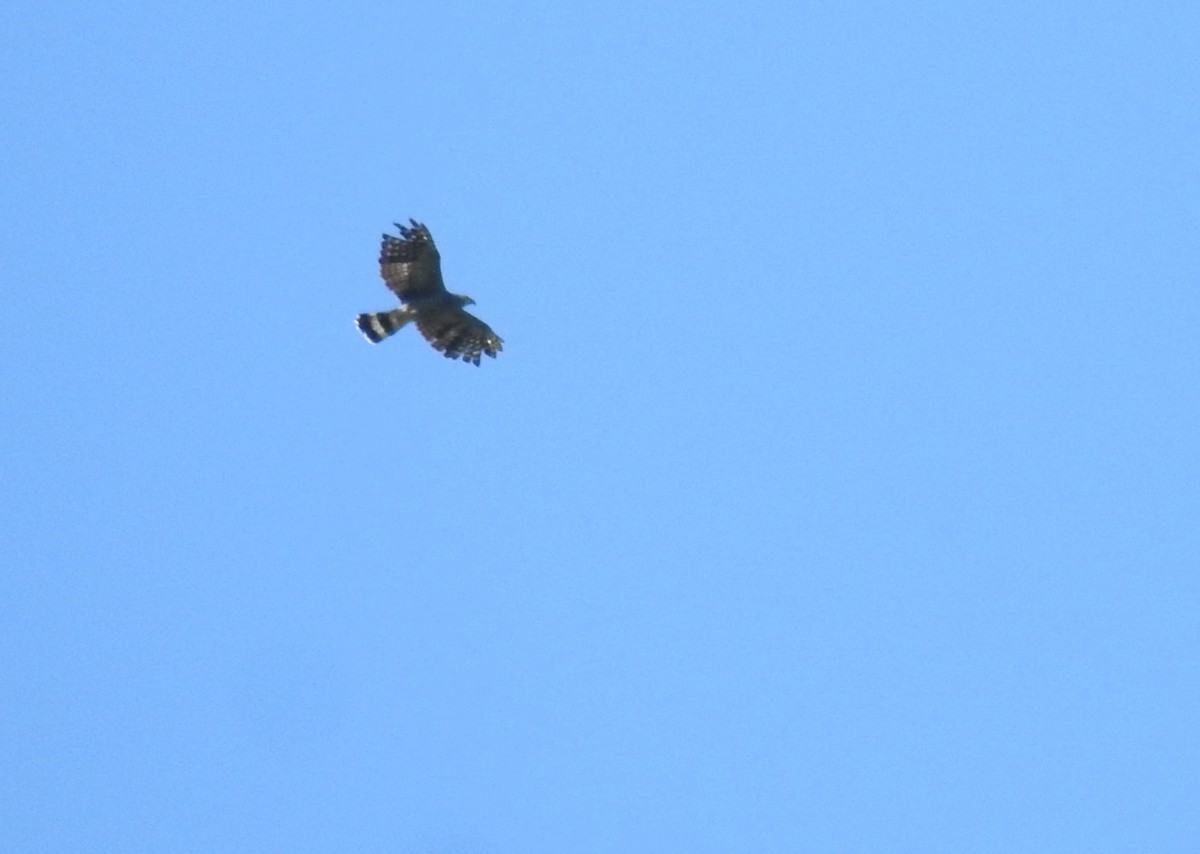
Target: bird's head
(464, 300)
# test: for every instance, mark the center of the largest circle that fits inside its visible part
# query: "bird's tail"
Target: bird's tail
(380, 324)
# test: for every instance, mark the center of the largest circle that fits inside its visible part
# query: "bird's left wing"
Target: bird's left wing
(458, 334)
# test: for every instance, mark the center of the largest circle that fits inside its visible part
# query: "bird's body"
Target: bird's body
(412, 268)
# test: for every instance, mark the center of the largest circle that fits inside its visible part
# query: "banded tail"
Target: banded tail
(380, 324)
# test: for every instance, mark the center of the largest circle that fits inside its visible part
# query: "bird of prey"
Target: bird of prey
(412, 269)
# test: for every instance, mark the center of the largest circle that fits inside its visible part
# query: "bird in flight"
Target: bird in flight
(412, 269)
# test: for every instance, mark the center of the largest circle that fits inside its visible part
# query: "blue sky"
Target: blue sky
(836, 490)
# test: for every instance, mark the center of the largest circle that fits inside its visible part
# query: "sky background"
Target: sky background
(837, 488)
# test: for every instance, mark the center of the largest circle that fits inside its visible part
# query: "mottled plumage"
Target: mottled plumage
(412, 269)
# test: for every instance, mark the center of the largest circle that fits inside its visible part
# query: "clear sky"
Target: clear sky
(837, 489)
